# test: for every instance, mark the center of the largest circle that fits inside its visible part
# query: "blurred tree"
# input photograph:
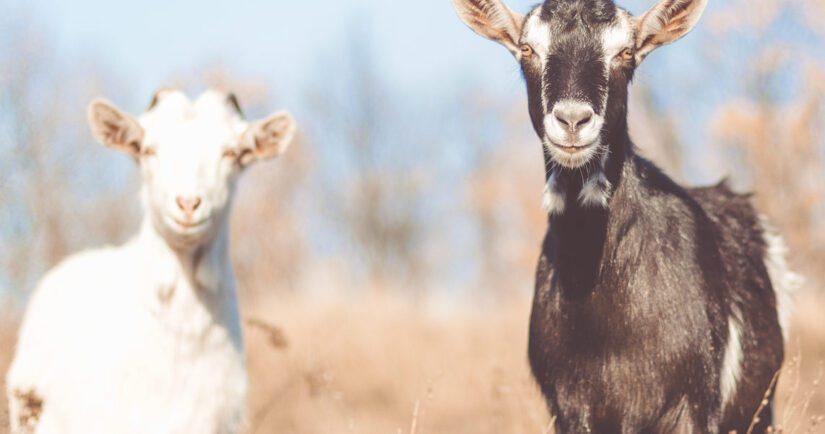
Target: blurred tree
(374, 161)
(776, 128)
(42, 130)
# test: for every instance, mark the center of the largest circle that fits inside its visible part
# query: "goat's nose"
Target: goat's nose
(573, 116)
(188, 204)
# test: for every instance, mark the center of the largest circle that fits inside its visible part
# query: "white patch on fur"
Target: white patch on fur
(596, 191)
(617, 37)
(553, 199)
(537, 34)
(784, 281)
(732, 362)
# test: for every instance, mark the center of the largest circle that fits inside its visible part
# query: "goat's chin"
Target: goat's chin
(572, 158)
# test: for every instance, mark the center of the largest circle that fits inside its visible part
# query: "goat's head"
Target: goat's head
(578, 57)
(190, 154)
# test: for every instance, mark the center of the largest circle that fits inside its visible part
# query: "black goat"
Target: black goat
(658, 308)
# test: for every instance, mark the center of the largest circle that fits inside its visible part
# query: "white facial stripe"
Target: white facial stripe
(537, 34)
(617, 37)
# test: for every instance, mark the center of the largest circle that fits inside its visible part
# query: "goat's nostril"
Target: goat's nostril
(188, 204)
(573, 116)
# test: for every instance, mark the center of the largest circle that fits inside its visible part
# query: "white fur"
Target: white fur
(146, 338)
(784, 281)
(553, 198)
(617, 37)
(117, 340)
(596, 191)
(732, 362)
(536, 33)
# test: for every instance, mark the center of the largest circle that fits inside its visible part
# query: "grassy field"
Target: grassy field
(385, 366)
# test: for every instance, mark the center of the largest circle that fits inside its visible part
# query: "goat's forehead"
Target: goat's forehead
(587, 11)
(578, 20)
(207, 119)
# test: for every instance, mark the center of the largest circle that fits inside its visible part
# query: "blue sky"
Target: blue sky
(423, 47)
(148, 42)
(421, 50)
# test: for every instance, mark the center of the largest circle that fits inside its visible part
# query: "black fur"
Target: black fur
(630, 317)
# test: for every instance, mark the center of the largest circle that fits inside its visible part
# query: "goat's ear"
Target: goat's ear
(493, 20)
(665, 23)
(268, 138)
(115, 128)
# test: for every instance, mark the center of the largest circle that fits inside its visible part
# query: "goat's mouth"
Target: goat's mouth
(571, 156)
(188, 225)
(572, 149)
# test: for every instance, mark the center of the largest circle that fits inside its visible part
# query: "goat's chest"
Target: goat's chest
(617, 355)
(171, 380)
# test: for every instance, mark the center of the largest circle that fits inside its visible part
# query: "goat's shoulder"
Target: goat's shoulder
(80, 290)
(649, 205)
(84, 272)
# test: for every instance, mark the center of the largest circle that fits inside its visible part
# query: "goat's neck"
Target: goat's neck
(577, 236)
(188, 287)
(201, 266)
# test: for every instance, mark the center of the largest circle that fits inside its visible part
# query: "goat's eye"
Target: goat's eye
(526, 51)
(246, 156)
(626, 55)
(230, 154)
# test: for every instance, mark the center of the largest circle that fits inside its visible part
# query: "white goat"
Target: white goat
(146, 338)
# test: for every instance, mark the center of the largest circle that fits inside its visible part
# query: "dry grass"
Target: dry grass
(384, 366)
